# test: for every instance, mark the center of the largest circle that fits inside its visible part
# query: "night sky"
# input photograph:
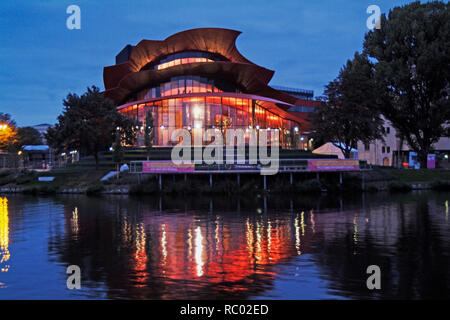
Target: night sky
(305, 42)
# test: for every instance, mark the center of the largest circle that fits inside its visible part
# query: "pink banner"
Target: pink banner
(333, 165)
(431, 161)
(166, 167)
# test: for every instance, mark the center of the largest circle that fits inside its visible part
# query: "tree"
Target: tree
(412, 64)
(118, 154)
(8, 132)
(349, 109)
(148, 133)
(88, 124)
(28, 136)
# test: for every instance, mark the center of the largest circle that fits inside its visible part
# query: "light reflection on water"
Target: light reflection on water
(206, 248)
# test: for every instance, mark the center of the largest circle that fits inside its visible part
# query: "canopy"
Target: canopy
(330, 148)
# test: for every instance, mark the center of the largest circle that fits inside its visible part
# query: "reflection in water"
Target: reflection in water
(4, 235)
(149, 248)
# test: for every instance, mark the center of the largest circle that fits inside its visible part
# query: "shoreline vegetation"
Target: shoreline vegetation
(88, 182)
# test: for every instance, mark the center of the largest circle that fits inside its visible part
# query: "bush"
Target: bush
(440, 185)
(44, 189)
(95, 189)
(398, 186)
(26, 177)
(372, 189)
(4, 173)
(143, 188)
(309, 186)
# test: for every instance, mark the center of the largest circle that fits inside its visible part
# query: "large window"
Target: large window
(183, 58)
(221, 113)
(186, 85)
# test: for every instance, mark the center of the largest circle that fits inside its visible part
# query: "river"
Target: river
(225, 248)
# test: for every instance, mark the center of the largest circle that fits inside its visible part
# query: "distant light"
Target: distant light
(250, 127)
(110, 148)
(117, 128)
(161, 127)
(446, 156)
(268, 129)
(19, 153)
(257, 127)
(302, 138)
(296, 129)
(189, 128)
(198, 126)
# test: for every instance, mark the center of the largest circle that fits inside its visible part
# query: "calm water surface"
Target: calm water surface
(219, 248)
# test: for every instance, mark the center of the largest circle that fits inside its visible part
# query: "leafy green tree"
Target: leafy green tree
(88, 124)
(118, 153)
(349, 109)
(148, 133)
(8, 132)
(411, 51)
(28, 136)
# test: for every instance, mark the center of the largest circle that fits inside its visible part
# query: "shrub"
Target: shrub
(95, 188)
(143, 188)
(309, 186)
(26, 177)
(440, 185)
(398, 186)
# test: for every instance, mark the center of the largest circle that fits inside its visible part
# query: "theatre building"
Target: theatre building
(198, 80)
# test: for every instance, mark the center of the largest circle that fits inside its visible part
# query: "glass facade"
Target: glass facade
(211, 112)
(185, 85)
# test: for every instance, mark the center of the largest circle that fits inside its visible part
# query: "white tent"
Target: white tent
(330, 148)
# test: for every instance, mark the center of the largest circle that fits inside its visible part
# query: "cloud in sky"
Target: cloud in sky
(305, 42)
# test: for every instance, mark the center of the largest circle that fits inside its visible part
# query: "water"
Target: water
(221, 248)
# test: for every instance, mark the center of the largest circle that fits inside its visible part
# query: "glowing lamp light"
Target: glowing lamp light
(198, 126)
(161, 127)
(189, 128)
(257, 127)
(110, 148)
(302, 138)
(268, 129)
(197, 112)
(296, 129)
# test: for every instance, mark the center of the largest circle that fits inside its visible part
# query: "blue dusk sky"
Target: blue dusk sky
(304, 42)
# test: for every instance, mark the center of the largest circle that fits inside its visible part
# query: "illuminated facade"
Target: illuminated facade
(198, 80)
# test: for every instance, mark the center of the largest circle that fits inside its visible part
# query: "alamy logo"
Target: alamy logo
(258, 143)
(374, 280)
(374, 20)
(74, 20)
(74, 280)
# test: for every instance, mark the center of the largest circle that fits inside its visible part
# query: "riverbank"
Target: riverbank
(88, 182)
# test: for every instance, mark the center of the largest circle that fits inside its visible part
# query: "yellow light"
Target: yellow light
(4, 235)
